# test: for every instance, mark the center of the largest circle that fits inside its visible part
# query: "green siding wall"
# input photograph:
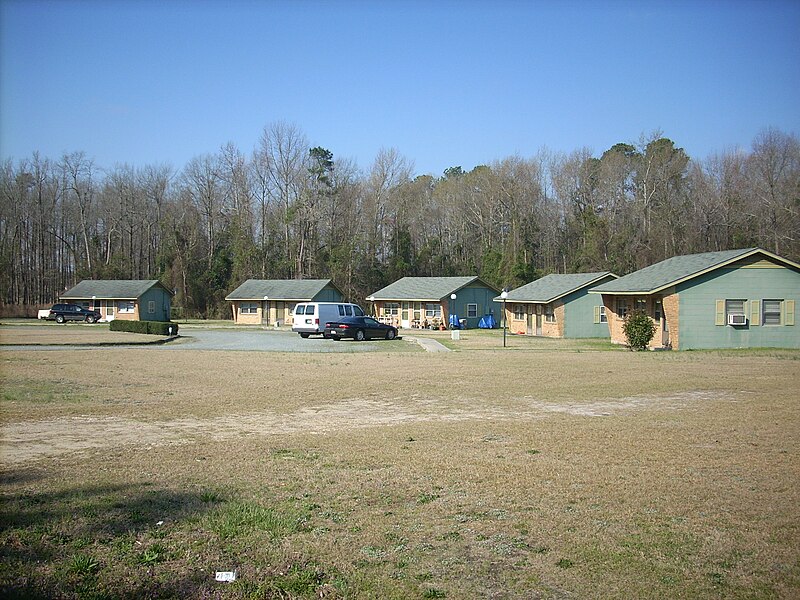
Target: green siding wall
(579, 314)
(162, 303)
(697, 308)
(328, 294)
(480, 295)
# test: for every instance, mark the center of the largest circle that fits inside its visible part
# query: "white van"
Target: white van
(310, 317)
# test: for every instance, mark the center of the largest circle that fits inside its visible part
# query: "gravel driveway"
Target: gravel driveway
(192, 337)
(267, 340)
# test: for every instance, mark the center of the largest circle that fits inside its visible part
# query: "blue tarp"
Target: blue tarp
(487, 322)
(455, 323)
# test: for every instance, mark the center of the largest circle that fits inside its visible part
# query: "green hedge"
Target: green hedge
(151, 327)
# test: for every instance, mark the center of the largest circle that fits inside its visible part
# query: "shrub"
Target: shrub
(151, 327)
(639, 329)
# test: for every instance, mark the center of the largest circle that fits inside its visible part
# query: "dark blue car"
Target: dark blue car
(360, 329)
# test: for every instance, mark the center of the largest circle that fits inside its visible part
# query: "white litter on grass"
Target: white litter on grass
(226, 576)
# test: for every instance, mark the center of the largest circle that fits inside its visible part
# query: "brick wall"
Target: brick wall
(671, 304)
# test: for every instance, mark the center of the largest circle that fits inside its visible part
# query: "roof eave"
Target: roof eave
(719, 265)
(567, 293)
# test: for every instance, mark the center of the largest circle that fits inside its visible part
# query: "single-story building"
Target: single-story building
(558, 306)
(730, 299)
(272, 301)
(423, 302)
(129, 299)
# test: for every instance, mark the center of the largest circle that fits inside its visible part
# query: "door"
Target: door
(538, 323)
(373, 328)
(265, 313)
(280, 313)
(109, 308)
(405, 321)
(662, 328)
(529, 322)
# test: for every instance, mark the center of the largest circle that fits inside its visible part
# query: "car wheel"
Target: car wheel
(90, 319)
(360, 337)
(390, 335)
(304, 335)
(59, 318)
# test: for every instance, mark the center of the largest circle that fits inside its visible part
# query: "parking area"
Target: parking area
(34, 336)
(270, 340)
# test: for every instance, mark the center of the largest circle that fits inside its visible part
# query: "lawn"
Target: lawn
(548, 469)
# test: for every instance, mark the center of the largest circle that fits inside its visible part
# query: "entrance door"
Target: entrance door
(661, 323)
(265, 313)
(280, 313)
(405, 317)
(529, 323)
(538, 324)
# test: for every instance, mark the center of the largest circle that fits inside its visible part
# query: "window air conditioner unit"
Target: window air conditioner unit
(737, 320)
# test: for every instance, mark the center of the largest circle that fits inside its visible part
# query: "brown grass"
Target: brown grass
(38, 333)
(480, 473)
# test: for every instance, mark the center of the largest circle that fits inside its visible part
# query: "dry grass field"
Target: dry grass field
(548, 469)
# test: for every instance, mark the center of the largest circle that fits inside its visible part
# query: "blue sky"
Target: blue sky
(445, 83)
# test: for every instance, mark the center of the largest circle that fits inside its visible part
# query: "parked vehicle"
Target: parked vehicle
(360, 329)
(61, 313)
(310, 317)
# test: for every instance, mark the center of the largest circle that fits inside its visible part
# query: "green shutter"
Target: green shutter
(788, 316)
(596, 314)
(755, 312)
(720, 320)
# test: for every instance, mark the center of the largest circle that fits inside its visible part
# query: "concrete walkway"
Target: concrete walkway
(428, 344)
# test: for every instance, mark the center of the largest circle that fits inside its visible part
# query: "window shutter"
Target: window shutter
(755, 312)
(596, 314)
(720, 320)
(788, 317)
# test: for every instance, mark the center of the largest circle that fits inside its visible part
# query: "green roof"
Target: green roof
(116, 289)
(425, 288)
(553, 287)
(279, 289)
(677, 269)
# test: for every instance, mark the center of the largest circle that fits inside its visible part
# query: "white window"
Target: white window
(125, 306)
(433, 310)
(248, 308)
(472, 311)
(734, 308)
(622, 307)
(771, 311)
(519, 312)
(549, 315)
(603, 315)
(391, 308)
(151, 306)
(640, 304)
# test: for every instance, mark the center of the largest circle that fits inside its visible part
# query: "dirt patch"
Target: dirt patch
(35, 440)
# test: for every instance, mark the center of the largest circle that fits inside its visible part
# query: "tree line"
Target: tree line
(292, 210)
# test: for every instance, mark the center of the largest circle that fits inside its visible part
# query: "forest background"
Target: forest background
(290, 209)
